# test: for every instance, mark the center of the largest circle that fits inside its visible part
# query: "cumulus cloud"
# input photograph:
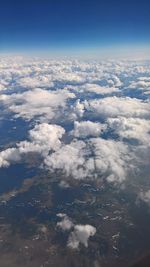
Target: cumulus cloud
(65, 224)
(64, 184)
(47, 135)
(9, 155)
(69, 159)
(80, 235)
(78, 109)
(96, 158)
(118, 106)
(145, 196)
(2, 86)
(87, 128)
(70, 77)
(131, 128)
(110, 159)
(97, 89)
(37, 102)
(143, 83)
(36, 82)
(77, 159)
(43, 138)
(144, 78)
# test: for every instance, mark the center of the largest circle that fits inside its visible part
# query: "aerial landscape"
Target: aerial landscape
(74, 133)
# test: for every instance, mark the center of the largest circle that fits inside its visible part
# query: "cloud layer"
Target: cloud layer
(87, 120)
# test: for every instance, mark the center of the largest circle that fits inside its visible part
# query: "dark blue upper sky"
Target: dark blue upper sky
(64, 24)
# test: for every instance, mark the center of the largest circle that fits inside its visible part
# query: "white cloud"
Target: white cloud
(69, 159)
(44, 138)
(37, 102)
(145, 196)
(87, 128)
(141, 84)
(63, 184)
(131, 128)
(111, 159)
(118, 106)
(79, 108)
(70, 77)
(65, 224)
(2, 87)
(9, 155)
(47, 135)
(80, 235)
(73, 159)
(144, 78)
(97, 89)
(36, 82)
(95, 158)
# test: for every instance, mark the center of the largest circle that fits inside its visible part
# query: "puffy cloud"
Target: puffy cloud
(96, 158)
(144, 79)
(63, 184)
(78, 108)
(118, 106)
(69, 159)
(97, 89)
(116, 81)
(78, 159)
(9, 155)
(65, 224)
(36, 81)
(80, 235)
(47, 135)
(87, 128)
(131, 128)
(70, 77)
(2, 87)
(37, 102)
(44, 138)
(145, 196)
(141, 84)
(110, 159)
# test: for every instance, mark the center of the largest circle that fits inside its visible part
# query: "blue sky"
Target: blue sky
(59, 25)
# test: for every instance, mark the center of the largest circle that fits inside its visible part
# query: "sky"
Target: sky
(81, 25)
